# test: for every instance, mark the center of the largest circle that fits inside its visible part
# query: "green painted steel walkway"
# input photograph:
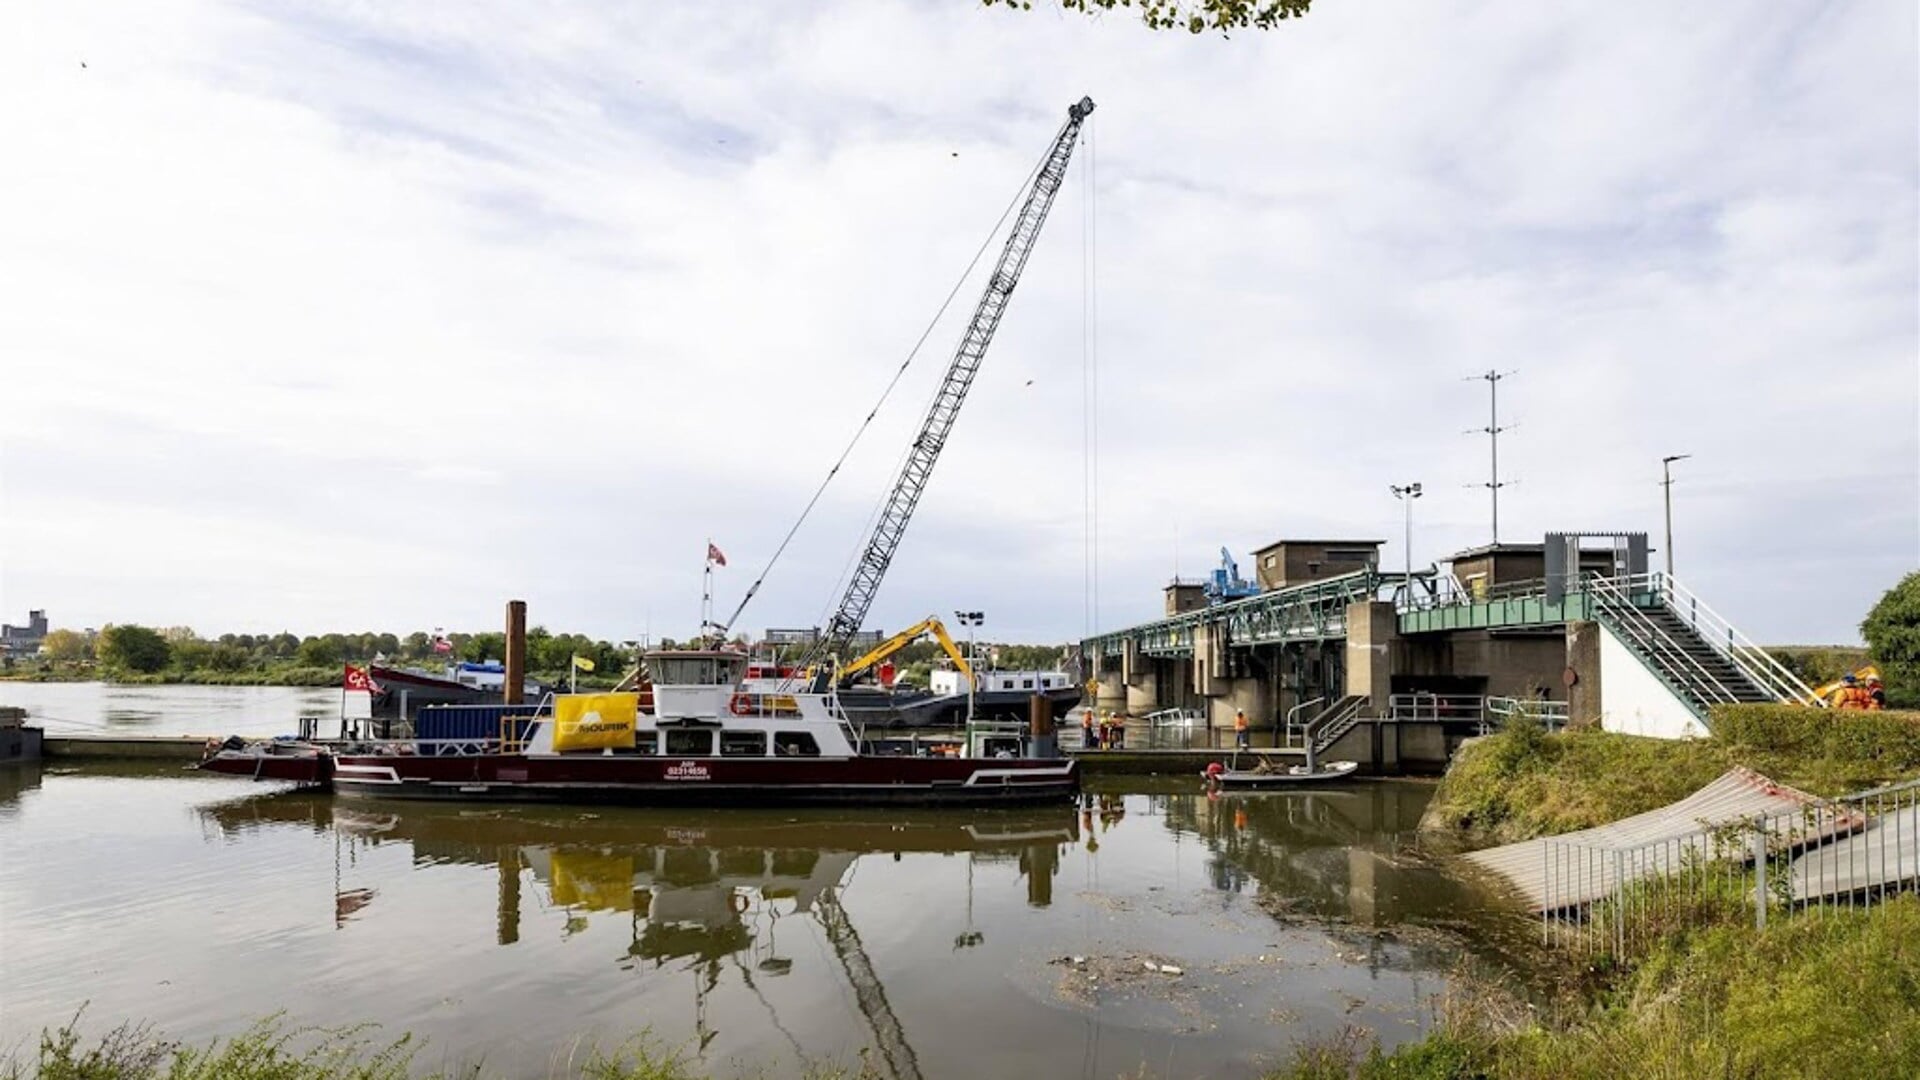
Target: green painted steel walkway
(1688, 646)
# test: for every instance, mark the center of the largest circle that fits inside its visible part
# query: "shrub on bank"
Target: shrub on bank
(274, 1050)
(1830, 996)
(1889, 738)
(1521, 783)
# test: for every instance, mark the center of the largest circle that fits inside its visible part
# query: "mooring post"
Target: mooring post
(1759, 872)
(1040, 727)
(516, 659)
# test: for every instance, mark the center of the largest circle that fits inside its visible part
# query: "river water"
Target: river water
(944, 943)
(93, 708)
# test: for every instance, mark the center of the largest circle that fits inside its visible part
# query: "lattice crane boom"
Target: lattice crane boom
(912, 481)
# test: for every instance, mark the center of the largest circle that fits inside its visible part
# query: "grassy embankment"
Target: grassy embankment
(1810, 996)
(274, 1050)
(1522, 783)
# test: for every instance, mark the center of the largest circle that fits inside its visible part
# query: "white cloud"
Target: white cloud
(372, 315)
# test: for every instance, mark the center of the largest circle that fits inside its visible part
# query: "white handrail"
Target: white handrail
(1293, 726)
(1617, 599)
(1768, 673)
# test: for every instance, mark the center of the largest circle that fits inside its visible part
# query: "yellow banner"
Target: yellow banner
(594, 721)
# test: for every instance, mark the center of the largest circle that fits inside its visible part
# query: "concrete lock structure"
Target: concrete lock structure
(1395, 669)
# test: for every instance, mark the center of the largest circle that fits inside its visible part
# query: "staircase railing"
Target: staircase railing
(1339, 718)
(1724, 638)
(1296, 731)
(1620, 605)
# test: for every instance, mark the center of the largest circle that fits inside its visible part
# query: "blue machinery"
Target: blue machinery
(1225, 583)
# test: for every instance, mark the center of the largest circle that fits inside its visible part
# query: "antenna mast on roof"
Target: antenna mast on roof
(1492, 432)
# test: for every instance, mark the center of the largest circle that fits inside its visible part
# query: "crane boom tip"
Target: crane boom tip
(1082, 109)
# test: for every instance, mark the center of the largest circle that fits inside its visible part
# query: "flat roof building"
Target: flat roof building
(1296, 562)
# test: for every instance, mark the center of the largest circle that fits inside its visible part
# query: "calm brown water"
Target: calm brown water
(757, 941)
(93, 708)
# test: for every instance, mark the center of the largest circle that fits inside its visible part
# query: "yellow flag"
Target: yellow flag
(594, 721)
(583, 663)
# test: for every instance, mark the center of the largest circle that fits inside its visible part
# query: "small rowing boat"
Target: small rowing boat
(1267, 775)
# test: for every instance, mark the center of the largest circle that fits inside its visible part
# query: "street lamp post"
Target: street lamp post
(970, 620)
(1666, 481)
(1406, 494)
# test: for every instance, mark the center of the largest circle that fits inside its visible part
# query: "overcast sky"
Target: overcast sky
(348, 316)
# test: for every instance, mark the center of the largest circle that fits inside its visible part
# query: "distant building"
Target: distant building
(1185, 596)
(24, 640)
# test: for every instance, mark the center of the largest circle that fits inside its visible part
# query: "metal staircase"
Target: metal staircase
(1700, 656)
(1333, 722)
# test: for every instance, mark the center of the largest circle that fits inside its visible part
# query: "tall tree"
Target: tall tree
(66, 645)
(1892, 630)
(133, 648)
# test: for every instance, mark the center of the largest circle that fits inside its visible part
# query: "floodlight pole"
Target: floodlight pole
(1666, 481)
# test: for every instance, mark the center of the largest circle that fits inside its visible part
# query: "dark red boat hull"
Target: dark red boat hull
(650, 781)
(310, 769)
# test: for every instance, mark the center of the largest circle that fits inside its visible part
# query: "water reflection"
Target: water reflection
(699, 895)
(760, 933)
(16, 779)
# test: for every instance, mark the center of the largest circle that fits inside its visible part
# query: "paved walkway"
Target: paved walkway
(1559, 872)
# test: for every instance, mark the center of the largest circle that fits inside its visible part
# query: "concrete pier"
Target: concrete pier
(186, 748)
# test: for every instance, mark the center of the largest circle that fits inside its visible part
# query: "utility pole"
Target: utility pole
(1666, 481)
(1406, 494)
(1492, 432)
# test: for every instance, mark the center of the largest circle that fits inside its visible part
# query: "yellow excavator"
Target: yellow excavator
(928, 625)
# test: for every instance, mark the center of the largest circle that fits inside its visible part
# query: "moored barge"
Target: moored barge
(704, 742)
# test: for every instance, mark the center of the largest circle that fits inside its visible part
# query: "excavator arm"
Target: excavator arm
(906, 637)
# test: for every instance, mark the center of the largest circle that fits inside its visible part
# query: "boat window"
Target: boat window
(743, 744)
(1026, 684)
(646, 742)
(683, 743)
(695, 670)
(795, 744)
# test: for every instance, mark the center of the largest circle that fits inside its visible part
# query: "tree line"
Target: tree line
(132, 649)
(179, 653)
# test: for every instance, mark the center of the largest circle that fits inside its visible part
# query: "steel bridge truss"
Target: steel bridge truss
(1311, 612)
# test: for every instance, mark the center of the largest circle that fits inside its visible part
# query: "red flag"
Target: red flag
(714, 556)
(358, 679)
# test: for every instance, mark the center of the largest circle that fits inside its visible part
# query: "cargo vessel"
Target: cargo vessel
(705, 741)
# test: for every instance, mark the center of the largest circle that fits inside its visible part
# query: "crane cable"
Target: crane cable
(727, 627)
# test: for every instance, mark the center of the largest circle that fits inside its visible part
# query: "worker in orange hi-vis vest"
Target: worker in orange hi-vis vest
(1241, 735)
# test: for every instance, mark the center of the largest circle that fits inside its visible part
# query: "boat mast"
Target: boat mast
(912, 481)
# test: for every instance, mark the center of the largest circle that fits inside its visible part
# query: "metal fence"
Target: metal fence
(1551, 714)
(1174, 729)
(1422, 705)
(1828, 856)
